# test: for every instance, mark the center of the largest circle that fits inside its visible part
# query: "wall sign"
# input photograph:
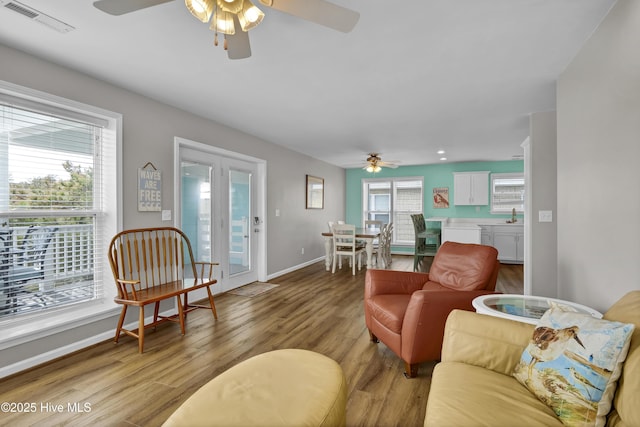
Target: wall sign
(149, 189)
(441, 197)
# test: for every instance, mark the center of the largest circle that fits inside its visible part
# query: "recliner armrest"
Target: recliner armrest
(424, 321)
(485, 341)
(381, 282)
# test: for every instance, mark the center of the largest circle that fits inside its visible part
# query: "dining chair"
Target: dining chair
(427, 241)
(346, 244)
(385, 244)
(376, 225)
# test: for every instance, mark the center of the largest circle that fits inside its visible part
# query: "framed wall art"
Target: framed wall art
(441, 197)
(315, 192)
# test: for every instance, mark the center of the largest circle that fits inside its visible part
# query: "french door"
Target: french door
(220, 214)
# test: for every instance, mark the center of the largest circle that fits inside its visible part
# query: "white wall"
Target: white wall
(149, 128)
(598, 104)
(543, 196)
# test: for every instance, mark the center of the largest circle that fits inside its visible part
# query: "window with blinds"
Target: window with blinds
(50, 205)
(393, 200)
(507, 192)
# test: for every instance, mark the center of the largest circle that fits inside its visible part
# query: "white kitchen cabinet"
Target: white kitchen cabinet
(509, 241)
(462, 233)
(471, 188)
(486, 235)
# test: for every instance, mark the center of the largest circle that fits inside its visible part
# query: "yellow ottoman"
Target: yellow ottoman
(280, 388)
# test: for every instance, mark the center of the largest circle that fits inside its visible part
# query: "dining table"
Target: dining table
(368, 235)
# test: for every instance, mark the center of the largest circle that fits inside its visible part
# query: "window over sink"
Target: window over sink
(507, 193)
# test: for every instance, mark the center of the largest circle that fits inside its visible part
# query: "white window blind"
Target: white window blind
(507, 192)
(50, 201)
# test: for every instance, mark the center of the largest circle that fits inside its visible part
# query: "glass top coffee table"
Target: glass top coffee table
(523, 308)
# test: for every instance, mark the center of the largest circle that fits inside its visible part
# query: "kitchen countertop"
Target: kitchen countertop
(460, 225)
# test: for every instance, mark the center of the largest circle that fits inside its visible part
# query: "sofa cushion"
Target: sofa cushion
(463, 267)
(389, 310)
(466, 395)
(572, 364)
(626, 410)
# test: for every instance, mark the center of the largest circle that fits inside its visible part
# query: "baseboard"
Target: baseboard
(56, 353)
(294, 268)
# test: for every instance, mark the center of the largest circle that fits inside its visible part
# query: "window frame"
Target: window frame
(506, 176)
(392, 212)
(24, 328)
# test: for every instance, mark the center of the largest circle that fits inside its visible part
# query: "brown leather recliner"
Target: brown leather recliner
(407, 310)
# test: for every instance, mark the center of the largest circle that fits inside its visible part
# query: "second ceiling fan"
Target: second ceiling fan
(234, 18)
(375, 163)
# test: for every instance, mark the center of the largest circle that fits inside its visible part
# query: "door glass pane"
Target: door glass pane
(196, 208)
(240, 217)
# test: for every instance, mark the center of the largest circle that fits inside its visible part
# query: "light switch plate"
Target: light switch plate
(545, 216)
(166, 215)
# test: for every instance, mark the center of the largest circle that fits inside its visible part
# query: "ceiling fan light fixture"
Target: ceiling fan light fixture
(250, 16)
(222, 22)
(373, 168)
(232, 6)
(201, 9)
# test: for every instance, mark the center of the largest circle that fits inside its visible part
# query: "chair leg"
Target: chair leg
(156, 313)
(141, 330)
(185, 305)
(211, 303)
(374, 339)
(120, 322)
(180, 314)
(410, 370)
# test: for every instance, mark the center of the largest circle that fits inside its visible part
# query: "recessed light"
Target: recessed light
(440, 152)
(443, 158)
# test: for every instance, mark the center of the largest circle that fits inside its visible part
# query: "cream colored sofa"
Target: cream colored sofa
(473, 385)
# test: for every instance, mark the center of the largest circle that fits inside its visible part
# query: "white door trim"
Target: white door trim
(261, 188)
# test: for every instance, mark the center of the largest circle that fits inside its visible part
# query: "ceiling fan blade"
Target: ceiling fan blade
(388, 165)
(319, 11)
(238, 46)
(120, 7)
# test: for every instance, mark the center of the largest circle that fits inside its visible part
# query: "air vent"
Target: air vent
(37, 16)
(21, 9)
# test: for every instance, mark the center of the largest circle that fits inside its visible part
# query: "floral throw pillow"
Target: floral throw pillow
(572, 364)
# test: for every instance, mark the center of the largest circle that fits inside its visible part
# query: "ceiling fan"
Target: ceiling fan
(234, 18)
(375, 164)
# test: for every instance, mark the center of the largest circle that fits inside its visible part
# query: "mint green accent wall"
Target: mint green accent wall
(440, 175)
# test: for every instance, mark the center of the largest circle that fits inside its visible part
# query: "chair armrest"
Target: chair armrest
(485, 341)
(424, 321)
(122, 288)
(204, 271)
(383, 282)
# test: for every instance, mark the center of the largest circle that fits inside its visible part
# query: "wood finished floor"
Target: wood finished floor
(311, 309)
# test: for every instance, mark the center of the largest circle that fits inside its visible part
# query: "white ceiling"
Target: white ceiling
(457, 75)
